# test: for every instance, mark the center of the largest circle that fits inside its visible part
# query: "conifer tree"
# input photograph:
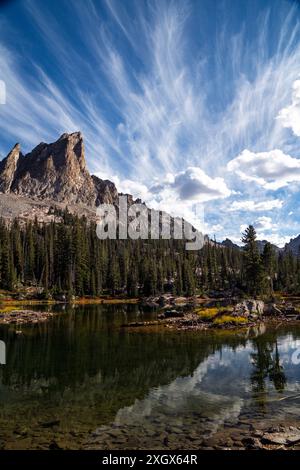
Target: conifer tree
(268, 260)
(252, 262)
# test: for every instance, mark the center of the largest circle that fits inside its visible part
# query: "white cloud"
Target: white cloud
(290, 115)
(189, 186)
(242, 229)
(184, 194)
(266, 230)
(276, 238)
(127, 186)
(181, 194)
(265, 223)
(251, 206)
(195, 185)
(262, 224)
(271, 170)
(211, 229)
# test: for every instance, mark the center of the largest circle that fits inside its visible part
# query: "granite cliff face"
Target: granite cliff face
(293, 246)
(56, 172)
(8, 168)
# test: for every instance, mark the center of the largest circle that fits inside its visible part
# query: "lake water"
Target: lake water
(81, 380)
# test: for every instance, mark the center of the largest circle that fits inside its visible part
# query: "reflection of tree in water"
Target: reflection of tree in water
(276, 373)
(266, 366)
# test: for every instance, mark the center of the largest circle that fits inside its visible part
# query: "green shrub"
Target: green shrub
(227, 319)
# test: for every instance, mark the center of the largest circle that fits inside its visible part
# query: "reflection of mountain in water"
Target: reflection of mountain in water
(82, 364)
(83, 369)
(86, 343)
(182, 398)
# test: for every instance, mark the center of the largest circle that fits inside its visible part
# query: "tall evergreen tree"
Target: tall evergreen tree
(269, 262)
(252, 262)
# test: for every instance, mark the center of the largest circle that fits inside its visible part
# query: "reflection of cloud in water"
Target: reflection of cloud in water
(287, 344)
(182, 398)
(218, 391)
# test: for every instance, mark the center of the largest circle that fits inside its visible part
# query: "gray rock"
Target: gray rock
(55, 171)
(281, 438)
(251, 443)
(253, 317)
(8, 168)
(249, 307)
(173, 314)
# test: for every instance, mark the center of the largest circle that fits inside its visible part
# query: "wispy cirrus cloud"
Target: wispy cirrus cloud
(290, 115)
(255, 206)
(154, 94)
(37, 110)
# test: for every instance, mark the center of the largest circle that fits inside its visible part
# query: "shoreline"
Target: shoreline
(18, 312)
(232, 314)
(78, 301)
(244, 434)
(177, 313)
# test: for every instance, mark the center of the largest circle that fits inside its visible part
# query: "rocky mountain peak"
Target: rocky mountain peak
(8, 168)
(293, 246)
(229, 243)
(73, 146)
(55, 171)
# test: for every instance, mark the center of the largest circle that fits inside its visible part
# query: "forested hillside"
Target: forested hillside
(68, 258)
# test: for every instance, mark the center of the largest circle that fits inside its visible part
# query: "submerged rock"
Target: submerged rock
(287, 437)
(251, 443)
(173, 314)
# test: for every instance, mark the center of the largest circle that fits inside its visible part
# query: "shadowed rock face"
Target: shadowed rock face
(55, 171)
(8, 168)
(293, 245)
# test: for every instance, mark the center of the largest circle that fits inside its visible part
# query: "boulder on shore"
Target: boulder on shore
(248, 308)
(172, 314)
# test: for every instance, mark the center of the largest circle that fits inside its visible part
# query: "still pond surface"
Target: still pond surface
(82, 380)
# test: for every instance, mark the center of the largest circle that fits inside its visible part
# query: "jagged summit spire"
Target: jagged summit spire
(8, 167)
(17, 146)
(55, 171)
(72, 135)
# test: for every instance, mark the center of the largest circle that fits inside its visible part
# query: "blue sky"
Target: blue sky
(192, 105)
